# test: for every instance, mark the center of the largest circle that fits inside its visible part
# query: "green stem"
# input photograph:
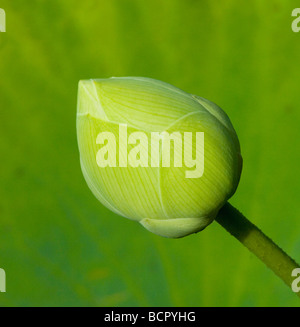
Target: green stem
(258, 243)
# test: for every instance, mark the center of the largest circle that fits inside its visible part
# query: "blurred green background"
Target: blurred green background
(58, 245)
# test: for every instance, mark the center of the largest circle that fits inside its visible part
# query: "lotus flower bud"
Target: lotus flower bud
(156, 154)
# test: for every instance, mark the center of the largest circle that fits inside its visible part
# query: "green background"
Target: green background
(58, 245)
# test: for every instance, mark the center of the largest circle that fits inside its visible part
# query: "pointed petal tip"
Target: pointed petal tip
(89, 100)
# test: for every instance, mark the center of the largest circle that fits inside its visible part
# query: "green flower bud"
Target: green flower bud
(156, 154)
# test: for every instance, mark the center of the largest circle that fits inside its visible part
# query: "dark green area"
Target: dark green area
(58, 245)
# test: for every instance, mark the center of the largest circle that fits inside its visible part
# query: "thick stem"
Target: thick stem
(258, 243)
